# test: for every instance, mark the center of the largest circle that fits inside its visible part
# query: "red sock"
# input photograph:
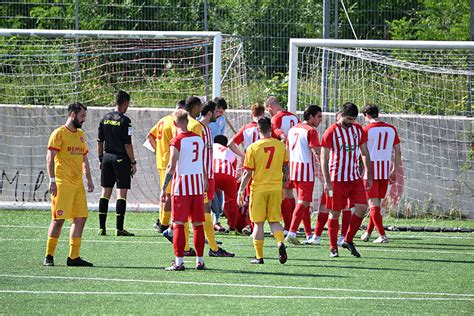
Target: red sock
(179, 240)
(320, 223)
(230, 209)
(346, 218)
(199, 240)
(353, 227)
(307, 221)
(376, 217)
(297, 216)
(370, 225)
(333, 229)
(286, 212)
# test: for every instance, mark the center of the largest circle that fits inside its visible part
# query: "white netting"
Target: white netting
(39, 76)
(426, 93)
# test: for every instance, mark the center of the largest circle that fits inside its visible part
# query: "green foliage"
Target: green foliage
(278, 86)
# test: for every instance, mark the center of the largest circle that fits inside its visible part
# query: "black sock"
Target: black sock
(121, 205)
(103, 209)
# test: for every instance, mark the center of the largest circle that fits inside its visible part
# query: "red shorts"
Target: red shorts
(188, 207)
(378, 189)
(211, 189)
(323, 201)
(342, 191)
(228, 184)
(289, 185)
(304, 190)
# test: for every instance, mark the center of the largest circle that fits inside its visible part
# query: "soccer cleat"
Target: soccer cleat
(218, 228)
(313, 240)
(333, 253)
(168, 235)
(340, 240)
(157, 225)
(175, 267)
(365, 237)
(123, 232)
(351, 247)
(200, 266)
(381, 240)
(257, 261)
(220, 253)
(48, 261)
(247, 230)
(78, 262)
(282, 253)
(102, 232)
(190, 253)
(292, 240)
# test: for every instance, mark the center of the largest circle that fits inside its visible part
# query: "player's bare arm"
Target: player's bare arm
(205, 178)
(316, 153)
(286, 172)
(367, 165)
(247, 175)
(50, 168)
(396, 165)
(152, 141)
(170, 169)
(131, 156)
(87, 172)
(233, 146)
(100, 153)
(325, 167)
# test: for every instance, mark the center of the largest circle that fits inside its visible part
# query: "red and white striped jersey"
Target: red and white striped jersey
(344, 145)
(381, 137)
(188, 176)
(207, 138)
(224, 160)
(301, 138)
(284, 120)
(249, 134)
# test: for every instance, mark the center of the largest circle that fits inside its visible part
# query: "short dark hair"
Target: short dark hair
(311, 110)
(181, 104)
(221, 139)
(350, 109)
(76, 107)
(209, 106)
(372, 110)
(221, 103)
(121, 97)
(264, 125)
(191, 102)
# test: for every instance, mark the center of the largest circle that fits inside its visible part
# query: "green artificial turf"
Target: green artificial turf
(416, 273)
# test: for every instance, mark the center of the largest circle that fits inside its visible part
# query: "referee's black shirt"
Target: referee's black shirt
(115, 130)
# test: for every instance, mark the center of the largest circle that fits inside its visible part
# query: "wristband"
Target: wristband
(52, 180)
(101, 157)
(134, 162)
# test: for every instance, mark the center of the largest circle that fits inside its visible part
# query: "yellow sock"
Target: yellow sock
(51, 246)
(166, 216)
(186, 236)
(209, 231)
(258, 245)
(279, 236)
(74, 247)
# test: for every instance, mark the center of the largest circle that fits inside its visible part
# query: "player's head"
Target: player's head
(181, 104)
(180, 118)
(77, 113)
(258, 110)
(338, 115)
(221, 139)
(264, 125)
(313, 115)
(193, 106)
(349, 114)
(209, 109)
(272, 105)
(371, 111)
(122, 100)
(221, 106)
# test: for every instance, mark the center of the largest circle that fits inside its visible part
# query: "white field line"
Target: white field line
(243, 285)
(90, 241)
(252, 297)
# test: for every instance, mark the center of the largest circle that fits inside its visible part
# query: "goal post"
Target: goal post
(423, 87)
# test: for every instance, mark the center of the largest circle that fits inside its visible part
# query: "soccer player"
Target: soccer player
(65, 161)
(342, 145)
(264, 162)
(160, 137)
(118, 163)
(284, 120)
(186, 168)
(304, 148)
(382, 140)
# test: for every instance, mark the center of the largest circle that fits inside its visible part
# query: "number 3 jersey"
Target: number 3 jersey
(188, 176)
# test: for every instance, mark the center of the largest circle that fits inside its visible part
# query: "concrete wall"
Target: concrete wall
(434, 151)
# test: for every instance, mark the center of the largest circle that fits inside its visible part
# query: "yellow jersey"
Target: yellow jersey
(194, 126)
(266, 158)
(71, 148)
(163, 132)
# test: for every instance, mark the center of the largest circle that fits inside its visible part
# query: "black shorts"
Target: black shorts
(116, 168)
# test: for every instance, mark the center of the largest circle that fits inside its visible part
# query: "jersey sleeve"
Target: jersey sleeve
(313, 139)
(55, 140)
(249, 161)
(127, 131)
(396, 141)
(84, 137)
(176, 142)
(327, 138)
(276, 133)
(100, 132)
(239, 137)
(364, 137)
(276, 120)
(153, 131)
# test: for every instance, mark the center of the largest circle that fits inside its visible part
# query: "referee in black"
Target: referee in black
(117, 161)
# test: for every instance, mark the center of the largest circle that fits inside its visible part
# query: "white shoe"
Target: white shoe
(292, 240)
(313, 240)
(340, 240)
(365, 237)
(381, 240)
(285, 233)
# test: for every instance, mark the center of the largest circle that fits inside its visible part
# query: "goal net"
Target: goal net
(423, 88)
(41, 72)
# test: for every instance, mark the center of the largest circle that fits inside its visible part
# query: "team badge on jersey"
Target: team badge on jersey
(60, 212)
(82, 139)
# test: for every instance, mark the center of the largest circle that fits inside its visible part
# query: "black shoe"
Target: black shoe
(167, 235)
(48, 261)
(257, 261)
(220, 253)
(282, 252)
(123, 232)
(190, 253)
(333, 253)
(200, 266)
(351, 247)
(175, 267)
(78, 262)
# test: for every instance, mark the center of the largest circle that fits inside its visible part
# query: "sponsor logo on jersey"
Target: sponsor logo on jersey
(112, 122)
(76, 150)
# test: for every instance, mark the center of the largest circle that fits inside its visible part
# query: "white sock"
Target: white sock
(199, 259)
(179, 261)
(292, 234)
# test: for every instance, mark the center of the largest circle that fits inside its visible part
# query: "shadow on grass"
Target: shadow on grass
(425, 260)
(353, 267)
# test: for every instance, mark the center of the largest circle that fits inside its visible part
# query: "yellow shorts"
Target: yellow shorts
(265, 206)
(162, 179)
(69, 202)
